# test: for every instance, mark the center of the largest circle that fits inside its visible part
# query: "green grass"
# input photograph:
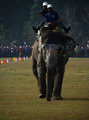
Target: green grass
(19, 93)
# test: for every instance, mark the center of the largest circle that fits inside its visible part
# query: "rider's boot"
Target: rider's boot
(35, 29)
(67, 29)
(38, 27)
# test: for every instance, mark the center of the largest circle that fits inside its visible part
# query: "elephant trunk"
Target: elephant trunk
(50, 82)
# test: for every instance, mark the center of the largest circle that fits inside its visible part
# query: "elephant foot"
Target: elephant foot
(48, 99)
(42, 96)
(57, 98)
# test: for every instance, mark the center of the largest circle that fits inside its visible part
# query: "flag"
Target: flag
(1, 62)
(20, 59)
(10, 59)
(27, 57)
(7, 61)
(4, 62)
(15, 59)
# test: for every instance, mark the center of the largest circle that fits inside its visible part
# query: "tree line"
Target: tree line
(18, 16)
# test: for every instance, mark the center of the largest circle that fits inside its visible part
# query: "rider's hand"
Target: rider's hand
(59, 20)
(48, 23)
(39, 12)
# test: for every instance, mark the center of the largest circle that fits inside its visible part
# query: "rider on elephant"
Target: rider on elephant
(50, 16)
(42, 12)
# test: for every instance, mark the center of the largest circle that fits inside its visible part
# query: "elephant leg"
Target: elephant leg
(41, 77)
(58, 82)
(66, 59)
(34, 67)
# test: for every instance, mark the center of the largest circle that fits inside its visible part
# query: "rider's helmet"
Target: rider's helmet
(45, 3)
(49, 6)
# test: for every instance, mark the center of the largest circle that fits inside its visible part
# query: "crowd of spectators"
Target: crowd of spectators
(26, 50)
(80, 51)
(15, 51)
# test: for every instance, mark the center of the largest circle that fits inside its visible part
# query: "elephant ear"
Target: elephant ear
(44, 34)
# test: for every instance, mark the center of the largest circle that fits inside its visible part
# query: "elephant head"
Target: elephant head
(53, 60)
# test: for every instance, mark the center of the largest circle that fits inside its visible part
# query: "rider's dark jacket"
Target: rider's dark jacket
(44, 12)
(51, 17)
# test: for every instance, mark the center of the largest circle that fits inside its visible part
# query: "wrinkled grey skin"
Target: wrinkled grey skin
(52, 64)
(55, 65)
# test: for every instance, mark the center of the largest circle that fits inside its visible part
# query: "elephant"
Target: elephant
(52, 65)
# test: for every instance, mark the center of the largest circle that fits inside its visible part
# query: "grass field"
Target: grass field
(19, 93)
